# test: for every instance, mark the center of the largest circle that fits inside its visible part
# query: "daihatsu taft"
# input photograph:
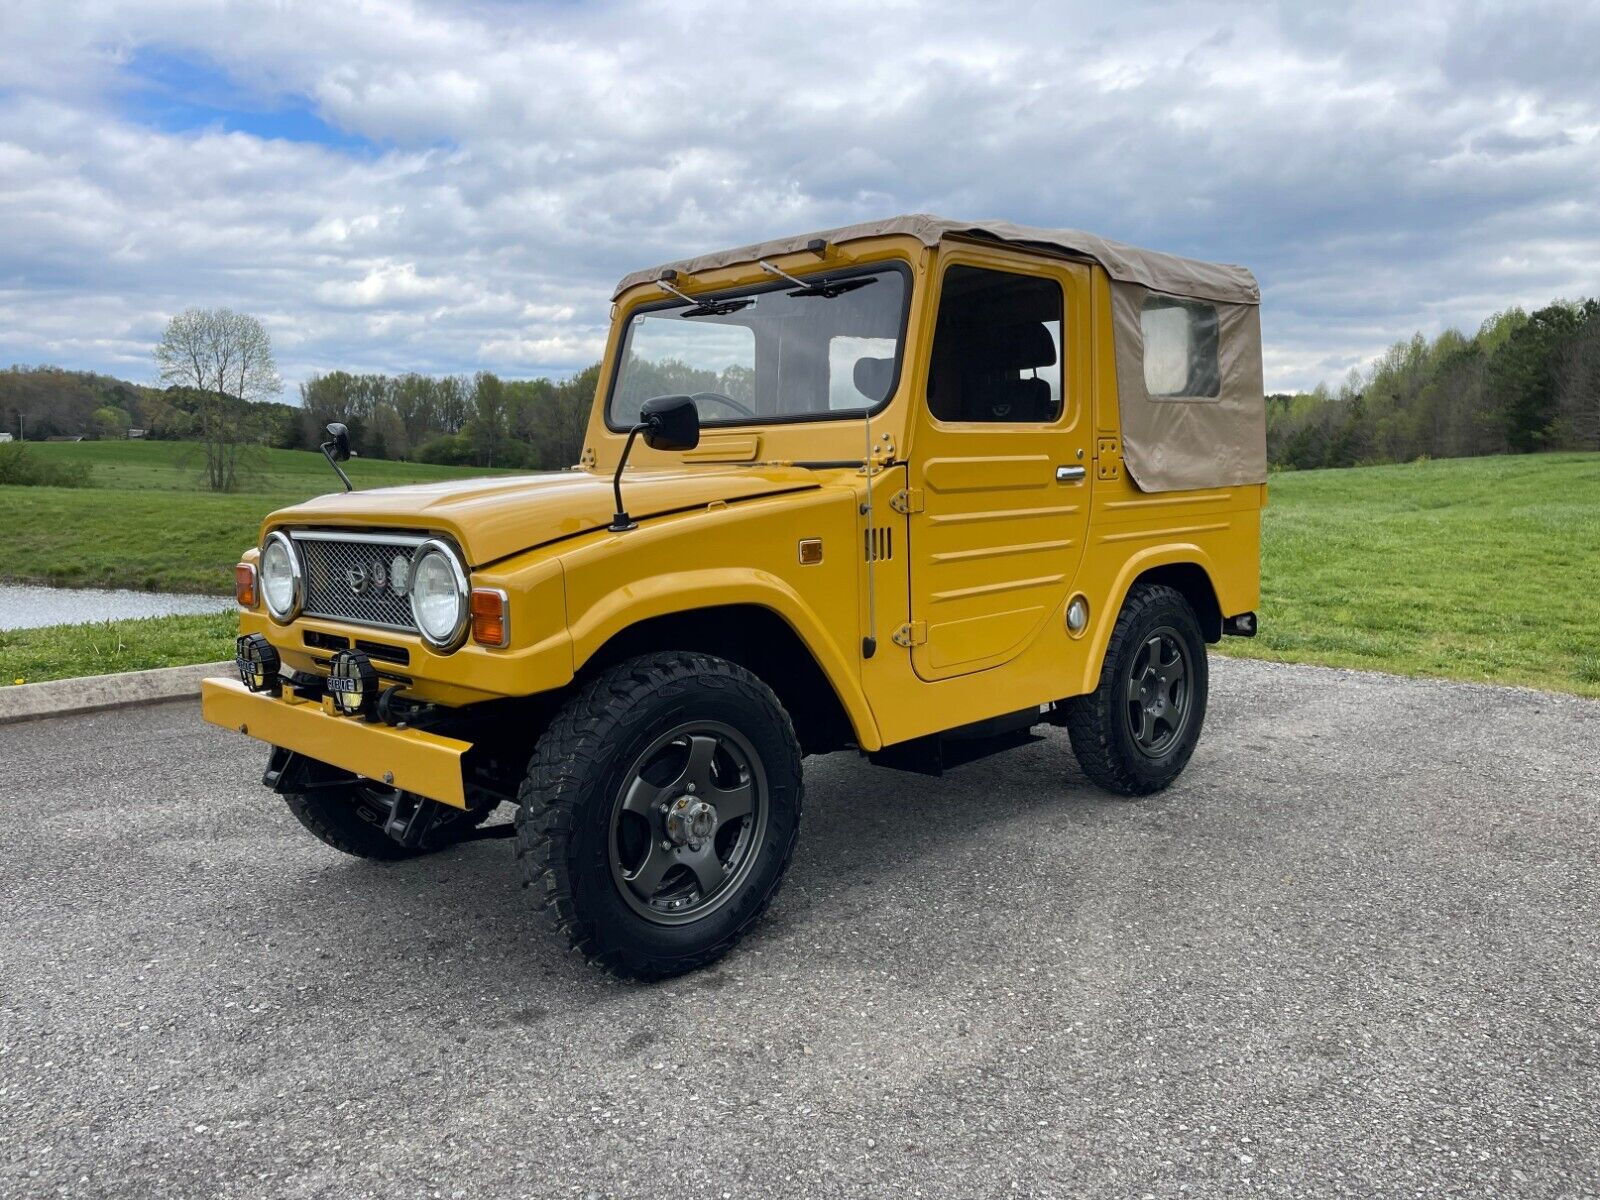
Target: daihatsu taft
(910, 488)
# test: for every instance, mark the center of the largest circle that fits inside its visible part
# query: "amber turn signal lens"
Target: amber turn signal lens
(810, 551)
(244, 585)
(491, 623)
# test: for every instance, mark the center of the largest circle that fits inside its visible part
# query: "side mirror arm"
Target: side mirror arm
(327, 453)
(621, 522)
(336, 450)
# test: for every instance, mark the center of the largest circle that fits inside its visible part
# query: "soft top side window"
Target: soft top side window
(1180, 347)
(996, 348)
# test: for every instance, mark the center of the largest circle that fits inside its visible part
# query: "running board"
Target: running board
(936, 753)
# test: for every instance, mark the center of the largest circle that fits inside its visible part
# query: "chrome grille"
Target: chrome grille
(349, 577)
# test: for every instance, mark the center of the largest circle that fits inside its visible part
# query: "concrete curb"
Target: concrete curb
(60, 697)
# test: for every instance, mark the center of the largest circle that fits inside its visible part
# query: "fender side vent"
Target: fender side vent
(879, 543)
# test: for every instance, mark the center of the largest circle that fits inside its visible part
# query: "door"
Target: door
(999, 478)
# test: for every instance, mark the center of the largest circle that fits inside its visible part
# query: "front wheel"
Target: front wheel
(1134, 733)
(660, 812)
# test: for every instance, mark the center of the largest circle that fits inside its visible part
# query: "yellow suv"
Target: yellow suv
(910, 488)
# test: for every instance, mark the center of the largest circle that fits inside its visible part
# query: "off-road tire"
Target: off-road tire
(1097, 724)
(333, 816)
(578, 767)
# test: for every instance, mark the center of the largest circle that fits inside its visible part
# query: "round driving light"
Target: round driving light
(282, 585)
(1077, 615)
(438, 589)
(353, 683)
(258, 663)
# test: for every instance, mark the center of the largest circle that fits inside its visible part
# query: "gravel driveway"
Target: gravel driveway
(1351, 952)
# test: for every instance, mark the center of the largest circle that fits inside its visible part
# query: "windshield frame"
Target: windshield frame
(877, 267)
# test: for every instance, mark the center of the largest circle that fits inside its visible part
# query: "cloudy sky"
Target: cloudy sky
(405, 186)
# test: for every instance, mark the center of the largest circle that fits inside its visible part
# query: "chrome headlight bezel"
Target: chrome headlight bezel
(297, 576)
(463, 594)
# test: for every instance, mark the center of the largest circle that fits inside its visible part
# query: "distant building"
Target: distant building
(6, 437)
(135, 433)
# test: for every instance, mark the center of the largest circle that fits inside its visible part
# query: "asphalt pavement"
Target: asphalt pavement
(1351, 953)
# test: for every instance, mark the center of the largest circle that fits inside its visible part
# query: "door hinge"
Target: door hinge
(1107, 459)
(907, 501)
(913, 633)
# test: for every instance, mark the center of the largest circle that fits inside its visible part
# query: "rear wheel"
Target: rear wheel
(660, 811)
(1135, 732)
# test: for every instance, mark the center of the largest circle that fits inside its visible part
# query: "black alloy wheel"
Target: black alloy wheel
(687, 819)
(1158, 692)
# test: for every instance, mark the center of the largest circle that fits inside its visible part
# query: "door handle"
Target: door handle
(1071, 474)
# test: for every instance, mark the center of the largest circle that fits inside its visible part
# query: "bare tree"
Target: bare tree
(227, 357)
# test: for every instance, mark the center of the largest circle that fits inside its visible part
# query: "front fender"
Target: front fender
(674, 592)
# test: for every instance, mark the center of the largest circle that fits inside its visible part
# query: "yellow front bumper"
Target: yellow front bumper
(409, 759)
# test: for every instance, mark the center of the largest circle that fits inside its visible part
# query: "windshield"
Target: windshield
(774, 353)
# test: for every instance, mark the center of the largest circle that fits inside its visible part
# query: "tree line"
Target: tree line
(1523, 382)
(480, 421)
(220, 375)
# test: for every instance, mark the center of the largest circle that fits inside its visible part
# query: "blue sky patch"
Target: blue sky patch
(179, 94)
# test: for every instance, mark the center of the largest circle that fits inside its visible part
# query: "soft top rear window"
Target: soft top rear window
(1180, 348)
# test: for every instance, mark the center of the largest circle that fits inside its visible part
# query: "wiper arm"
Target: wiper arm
(718, 308)
(829, 290)
(821, 287)
(705, 308)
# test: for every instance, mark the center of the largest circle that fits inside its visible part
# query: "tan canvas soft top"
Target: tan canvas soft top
(1127, 264)
(1204, 427)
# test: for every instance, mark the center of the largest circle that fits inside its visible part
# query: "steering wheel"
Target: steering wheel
(719, 398)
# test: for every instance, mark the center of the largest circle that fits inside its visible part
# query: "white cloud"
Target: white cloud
(1383, 168)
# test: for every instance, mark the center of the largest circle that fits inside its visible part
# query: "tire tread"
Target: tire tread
(570, 753)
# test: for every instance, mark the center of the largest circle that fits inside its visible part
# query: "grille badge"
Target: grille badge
(363, 580)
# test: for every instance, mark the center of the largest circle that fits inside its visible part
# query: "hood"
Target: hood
(502, 515)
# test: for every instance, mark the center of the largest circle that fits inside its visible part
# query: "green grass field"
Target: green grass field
(180, 467)
(104, 647)
(147, 525)
(1480, 569)
(1484, 569)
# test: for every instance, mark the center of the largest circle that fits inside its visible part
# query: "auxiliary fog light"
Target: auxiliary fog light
(1077, 616)
(353, 683)
(258, 663)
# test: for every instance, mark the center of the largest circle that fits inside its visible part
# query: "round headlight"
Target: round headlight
(438, 595)
(281, 585)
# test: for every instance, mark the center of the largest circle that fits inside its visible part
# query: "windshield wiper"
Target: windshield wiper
(703, 308)
(821, 287)
(718, 308)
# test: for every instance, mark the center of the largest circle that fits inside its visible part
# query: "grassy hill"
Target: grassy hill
(1472, 568)
(146, 524)
(180, 467)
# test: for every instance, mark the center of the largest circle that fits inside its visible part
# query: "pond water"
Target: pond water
(25, 607)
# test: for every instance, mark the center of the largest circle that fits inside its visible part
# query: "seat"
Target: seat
(994, 387)
(873, 377)
(1025, 399)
